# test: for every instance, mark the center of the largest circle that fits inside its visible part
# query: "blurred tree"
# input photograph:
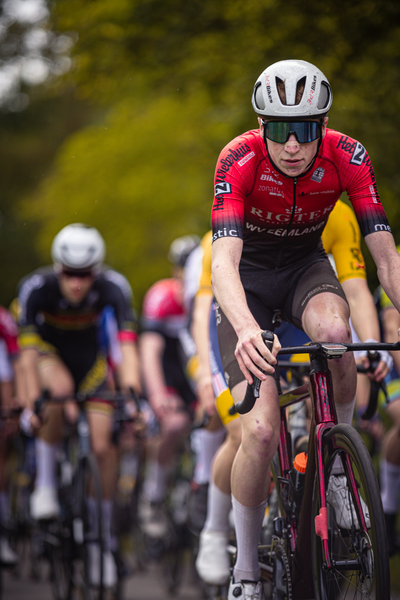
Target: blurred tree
(170, 83)
(143, 176)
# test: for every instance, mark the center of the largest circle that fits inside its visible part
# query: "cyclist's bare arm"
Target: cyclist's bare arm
(152, 345)
(128, 371)
(29, 372)
(364, 318)
(391, 325)
(30, 385)
(230, 295)
(387, 259)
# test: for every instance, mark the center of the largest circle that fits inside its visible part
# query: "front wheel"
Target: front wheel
(360, 559)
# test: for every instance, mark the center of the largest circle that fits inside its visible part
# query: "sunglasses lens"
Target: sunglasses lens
(79, 274)
(305, 131)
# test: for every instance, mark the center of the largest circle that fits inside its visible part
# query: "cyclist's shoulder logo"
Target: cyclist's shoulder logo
(358, 155)
(318, 174)
(357, 150)
(222, 188)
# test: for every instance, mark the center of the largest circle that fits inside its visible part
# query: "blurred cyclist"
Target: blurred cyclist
(9, 388)
(60, 308)
(166, 350)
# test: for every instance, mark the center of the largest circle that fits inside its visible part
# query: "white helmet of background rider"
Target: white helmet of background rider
(180, 249)
(78, 246)
(314, 102)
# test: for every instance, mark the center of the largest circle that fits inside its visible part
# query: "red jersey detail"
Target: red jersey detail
(164, 299)
(8, 331)
(282, 218)
(127, 336)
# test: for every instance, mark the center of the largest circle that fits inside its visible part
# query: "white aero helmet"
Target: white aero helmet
(307, 93)
(180, 249)
(78, 246)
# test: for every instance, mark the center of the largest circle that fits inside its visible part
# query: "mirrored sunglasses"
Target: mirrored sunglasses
(279, 131)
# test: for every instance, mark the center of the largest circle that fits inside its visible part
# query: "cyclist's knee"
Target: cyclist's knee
(260, 438)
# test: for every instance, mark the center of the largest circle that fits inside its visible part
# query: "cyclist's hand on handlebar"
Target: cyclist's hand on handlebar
(381, 369)
(253, 356)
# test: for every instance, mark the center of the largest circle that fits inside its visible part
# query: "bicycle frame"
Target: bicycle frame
(320, 390)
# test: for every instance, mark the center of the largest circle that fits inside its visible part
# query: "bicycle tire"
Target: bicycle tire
(369, 573)
(59, 553)
(87, 528)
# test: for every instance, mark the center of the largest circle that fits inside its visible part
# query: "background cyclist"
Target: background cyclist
(10, 387)
(165, 350)
(59, 311)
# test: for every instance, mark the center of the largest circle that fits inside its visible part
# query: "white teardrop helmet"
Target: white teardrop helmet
(306, 90)
(78, 246)
(180, 249)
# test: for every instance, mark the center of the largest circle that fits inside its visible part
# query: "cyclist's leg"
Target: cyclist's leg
(324, 317)
(213, 564)
(251, 475)
(205, 442)
(100, 424)
(55, 377)
(161, 455)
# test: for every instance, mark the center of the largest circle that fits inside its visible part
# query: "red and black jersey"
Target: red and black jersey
(9, 331)
(280, 218)
(45, 315)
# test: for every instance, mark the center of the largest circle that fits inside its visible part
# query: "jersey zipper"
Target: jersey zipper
(280, 254)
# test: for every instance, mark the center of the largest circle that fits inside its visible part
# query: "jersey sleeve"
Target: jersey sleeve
(29, 301)
(121, 298)
(163, 310)
(359, 181)
(342, 239)
(230, 189)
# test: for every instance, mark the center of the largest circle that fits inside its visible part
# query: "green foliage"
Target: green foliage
(139, 178)
(169, 83)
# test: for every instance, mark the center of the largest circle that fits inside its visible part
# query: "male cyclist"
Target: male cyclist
(9, 389)
(274, 190)
(165, 349)
(341, 240)
(60, 308)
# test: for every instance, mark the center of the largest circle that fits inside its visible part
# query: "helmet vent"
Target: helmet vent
(258, 96)
(324, 96)
(282, 92)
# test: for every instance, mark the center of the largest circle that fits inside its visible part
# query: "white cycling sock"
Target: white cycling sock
(205, 444)
(218, 508)
(248, 523)
(344, 415)
(155, 483)
(46, 463)
(389, 476)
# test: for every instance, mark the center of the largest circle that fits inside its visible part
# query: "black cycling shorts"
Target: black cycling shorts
(288, 290)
